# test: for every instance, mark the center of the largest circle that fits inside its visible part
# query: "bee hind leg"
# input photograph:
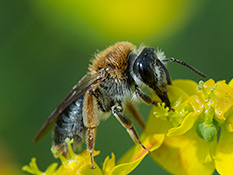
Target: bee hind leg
(128, 125)
(91, 121)
(91, 135)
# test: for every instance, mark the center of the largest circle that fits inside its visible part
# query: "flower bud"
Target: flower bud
(208, 132)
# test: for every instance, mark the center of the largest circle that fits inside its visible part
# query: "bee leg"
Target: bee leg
(91, 135)
(136, 115)
(127, 124)
(91, 121)
(145, 97)
(148, 99)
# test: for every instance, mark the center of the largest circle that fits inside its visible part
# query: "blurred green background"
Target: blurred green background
(45, 48)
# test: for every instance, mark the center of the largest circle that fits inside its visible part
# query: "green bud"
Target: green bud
(201, 83)
(208, 132)
(201, 87)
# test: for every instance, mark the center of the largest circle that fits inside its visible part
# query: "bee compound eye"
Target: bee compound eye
(146, 72)
(144, 66)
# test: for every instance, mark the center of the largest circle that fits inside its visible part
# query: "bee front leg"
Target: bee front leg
(148, 99)
(91, 121)
(127, 124)
(145, 97)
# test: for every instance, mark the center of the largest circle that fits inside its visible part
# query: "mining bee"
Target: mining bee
(116, 75)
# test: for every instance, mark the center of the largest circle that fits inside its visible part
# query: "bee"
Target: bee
(116, 75)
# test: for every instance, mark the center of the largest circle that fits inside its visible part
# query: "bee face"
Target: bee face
(149, 70)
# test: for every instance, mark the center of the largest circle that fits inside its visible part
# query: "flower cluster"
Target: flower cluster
(199, 133)
(80, 164)
(194, 138)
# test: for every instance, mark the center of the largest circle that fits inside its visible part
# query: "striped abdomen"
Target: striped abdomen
(69, 125)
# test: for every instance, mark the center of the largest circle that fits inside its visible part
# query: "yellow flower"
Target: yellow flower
(195, 138)
(121, 20)
(80, 164)
(199, 133)
(75, 164)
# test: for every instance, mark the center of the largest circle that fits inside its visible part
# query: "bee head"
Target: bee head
(149, 70)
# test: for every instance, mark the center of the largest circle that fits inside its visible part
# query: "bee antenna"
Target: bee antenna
(186, 65)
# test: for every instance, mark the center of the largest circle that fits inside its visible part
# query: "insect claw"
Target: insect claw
(144, 147)
(92, 166)
(148, 151)
(171, 109)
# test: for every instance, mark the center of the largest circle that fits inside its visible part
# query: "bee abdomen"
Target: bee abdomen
(69, 125)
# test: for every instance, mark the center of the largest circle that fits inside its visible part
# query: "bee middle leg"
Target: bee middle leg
(127, 124)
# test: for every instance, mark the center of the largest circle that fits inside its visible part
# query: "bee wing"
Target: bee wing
(77, 91)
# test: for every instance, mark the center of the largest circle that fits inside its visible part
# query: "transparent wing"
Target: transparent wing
(77, 91)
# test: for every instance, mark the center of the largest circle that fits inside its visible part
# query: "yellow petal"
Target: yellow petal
(222, 106)
(224, 153)
(186, 125)
(224, 88)
(156, 125)
(32, 167)
(187, 86)
(175, 92)
(229, 121)
(231, 83)
(126, 168)
(209, 84)
(197, 104)
(86, 170)
(81, 164)
(136, 154)
(51, 169)
(151, 142)
(109, 164)
(185, 155)
(75, 170)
